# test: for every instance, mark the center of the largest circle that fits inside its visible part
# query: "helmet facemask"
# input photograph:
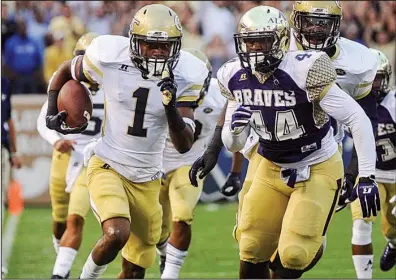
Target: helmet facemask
(260, 51)
(154, 65)
(317, 31)
(380, 85)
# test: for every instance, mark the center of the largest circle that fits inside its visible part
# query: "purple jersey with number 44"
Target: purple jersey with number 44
(286, 115)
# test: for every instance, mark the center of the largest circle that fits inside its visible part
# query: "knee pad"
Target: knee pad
(183, 212)
(361, 232)
(285, 273)
(249, 249)
(295, 255)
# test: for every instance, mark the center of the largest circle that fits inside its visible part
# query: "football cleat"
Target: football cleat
(55, 276)
(388, 258)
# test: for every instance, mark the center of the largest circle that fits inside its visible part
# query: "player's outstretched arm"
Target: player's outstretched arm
(344, 109)
(208, 160)
(335, 102)
(369, 105)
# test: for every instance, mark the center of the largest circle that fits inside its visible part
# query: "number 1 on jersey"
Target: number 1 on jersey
(141, 95)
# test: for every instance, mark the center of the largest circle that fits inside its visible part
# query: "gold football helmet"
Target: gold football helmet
(263, 38)
(83, 43)
(384, 71)
(316, 23)
(201, 56)
(155, 39)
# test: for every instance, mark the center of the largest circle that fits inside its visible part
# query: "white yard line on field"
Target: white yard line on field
(8, 239)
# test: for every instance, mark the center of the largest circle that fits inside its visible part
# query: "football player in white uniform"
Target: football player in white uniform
(386, 157)
(63, 145)
(124, 173)
(177, 197)
(288, 97)
(316, 27)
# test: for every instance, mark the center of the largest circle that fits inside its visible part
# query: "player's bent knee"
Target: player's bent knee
(116, 232)
(295, 256)
(184, 213)
(281, 271)
(75, 223)
(361, 232)
(249, 250)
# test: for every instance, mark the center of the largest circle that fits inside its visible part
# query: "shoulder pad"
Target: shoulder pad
(355, 58)
(112, 49)
(190, 71)
(225, 73)
(298, 63)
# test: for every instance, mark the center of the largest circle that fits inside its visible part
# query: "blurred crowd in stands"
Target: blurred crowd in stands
(37, 36)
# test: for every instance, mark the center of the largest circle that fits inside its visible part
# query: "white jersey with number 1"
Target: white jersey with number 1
(135, 126)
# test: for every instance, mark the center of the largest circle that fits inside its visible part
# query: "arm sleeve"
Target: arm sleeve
(51, 136)
(344, 109)
(233, 142)
(369, 105)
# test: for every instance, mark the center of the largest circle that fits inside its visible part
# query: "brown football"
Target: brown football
(74, 98)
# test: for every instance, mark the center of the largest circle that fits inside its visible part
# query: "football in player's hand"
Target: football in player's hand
(75, 99)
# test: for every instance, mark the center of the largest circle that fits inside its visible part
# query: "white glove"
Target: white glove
(89, 151)
(393, 200)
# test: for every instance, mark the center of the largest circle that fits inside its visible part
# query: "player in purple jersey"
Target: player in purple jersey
(287, 98)
(386, 157)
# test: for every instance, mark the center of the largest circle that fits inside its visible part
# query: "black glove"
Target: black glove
(57, 123)
(346, 191)
(168, 87)
(208, 160)
(367, 192)
(232, 184)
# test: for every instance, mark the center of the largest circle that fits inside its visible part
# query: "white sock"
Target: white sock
(64, 261)
(92, 270)
(56, 243)
(363, 266)
(174, 261)
(161, 249)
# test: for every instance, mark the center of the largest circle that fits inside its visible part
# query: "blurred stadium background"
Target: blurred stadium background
(53, 27)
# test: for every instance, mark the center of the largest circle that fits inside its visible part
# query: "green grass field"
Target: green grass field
(213, 252)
